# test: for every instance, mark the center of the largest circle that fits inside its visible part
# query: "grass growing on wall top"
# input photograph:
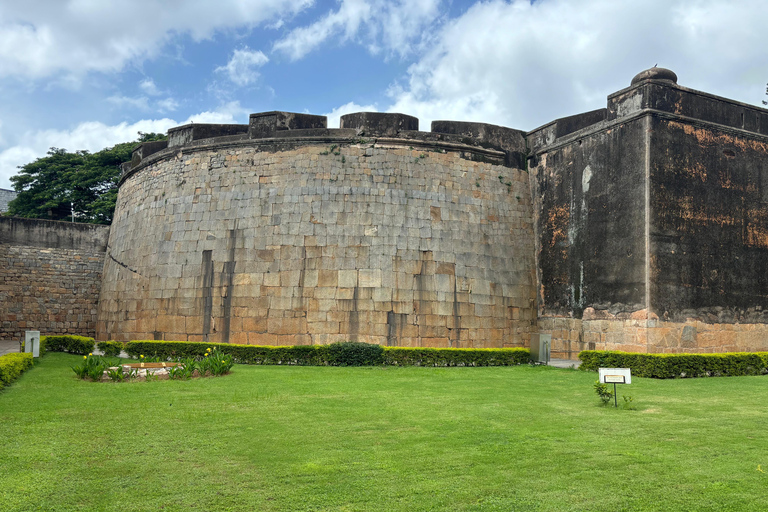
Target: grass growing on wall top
(380, 438)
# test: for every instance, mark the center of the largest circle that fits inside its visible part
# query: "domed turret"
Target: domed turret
(655, 73)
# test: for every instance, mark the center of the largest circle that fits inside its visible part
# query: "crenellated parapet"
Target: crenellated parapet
(273, 131)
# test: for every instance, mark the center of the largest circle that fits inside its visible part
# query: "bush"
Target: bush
(353, 353)
(403, 356)
(111, 348)
(669, 366)
(242, 354)
(72, 344)
(12, 365)
(319, 355)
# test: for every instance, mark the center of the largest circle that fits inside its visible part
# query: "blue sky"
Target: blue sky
(86, 74)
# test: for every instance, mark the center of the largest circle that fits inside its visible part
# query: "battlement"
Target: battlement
(275, 130)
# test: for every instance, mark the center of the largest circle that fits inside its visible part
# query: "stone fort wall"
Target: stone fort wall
(652, 222)
(285, 232)
(50, 276)
(642, 226)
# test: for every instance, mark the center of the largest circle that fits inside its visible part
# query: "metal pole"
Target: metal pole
(615, 398)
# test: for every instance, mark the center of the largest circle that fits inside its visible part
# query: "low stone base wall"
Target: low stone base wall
(571, 335)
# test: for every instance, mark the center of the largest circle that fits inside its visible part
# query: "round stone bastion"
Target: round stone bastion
(285, 232)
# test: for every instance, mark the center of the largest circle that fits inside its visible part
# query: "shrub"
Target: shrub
(604, 392)
(242, 354)
(12, 365)
(318, 355)
(111, 348)
(403, 356)
(353, 353)
(72, 344)
(669, 366)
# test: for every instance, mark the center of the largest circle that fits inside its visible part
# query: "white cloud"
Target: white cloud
(395, 25)
(91, 136)
(167, 105)
(141, 103)
(95, 136)
(229, 113)
(521, 65)
(148, 86)
(334, 115)
(242, 66)
(48, 38)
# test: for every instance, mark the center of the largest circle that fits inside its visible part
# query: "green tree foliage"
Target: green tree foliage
(63, 185)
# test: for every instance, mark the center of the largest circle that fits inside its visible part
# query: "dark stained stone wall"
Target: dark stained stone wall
(709, 222)
(589, 196)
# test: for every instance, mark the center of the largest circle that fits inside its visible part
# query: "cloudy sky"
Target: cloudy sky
(87, 74)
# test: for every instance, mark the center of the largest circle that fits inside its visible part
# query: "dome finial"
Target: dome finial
(655, 73)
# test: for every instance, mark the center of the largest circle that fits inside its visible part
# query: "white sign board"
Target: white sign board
(32, 342)
(615, 375)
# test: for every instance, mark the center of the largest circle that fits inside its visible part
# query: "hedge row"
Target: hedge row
(335, 354)
(12, 365)
(670, 366)
(403, 356)
(111, 348)
(68, 343)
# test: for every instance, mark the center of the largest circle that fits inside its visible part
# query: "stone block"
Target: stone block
(348, 278)
(370, 278)
(327, 278)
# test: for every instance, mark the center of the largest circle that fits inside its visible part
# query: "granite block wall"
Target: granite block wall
(389, 242)
(50, 276)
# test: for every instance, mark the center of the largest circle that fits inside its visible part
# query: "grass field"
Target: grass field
(381, 439)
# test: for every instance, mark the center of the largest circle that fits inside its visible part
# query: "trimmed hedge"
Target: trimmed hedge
(72, 344)
(12, 365)
(243, 354)
(671, 366)
(352, 353)
(404, 356)
(334, 354)
(111, 348)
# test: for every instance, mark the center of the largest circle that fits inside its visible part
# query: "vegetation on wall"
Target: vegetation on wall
(79, 186)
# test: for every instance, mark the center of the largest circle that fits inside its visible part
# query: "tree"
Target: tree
(79, 186)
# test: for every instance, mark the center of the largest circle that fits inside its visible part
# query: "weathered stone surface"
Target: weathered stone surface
(148, 148)
(654, 212)
(182, 135)
(53, 234)
(487, 135)
(655, 73)
(378, 124)
(322, 242)
(268, 124)
(6, 196)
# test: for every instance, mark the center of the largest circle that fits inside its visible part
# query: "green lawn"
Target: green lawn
(382, 439)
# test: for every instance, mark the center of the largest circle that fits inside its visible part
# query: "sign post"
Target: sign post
(32, 342)
(615, 376)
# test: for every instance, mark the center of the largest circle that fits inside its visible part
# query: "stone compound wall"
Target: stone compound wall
(50, 276)
(374, 232)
